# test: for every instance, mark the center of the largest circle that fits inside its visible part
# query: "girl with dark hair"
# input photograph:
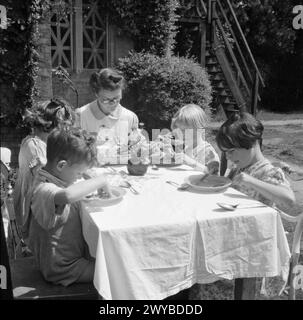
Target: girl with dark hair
(44, 117)
(240, 138)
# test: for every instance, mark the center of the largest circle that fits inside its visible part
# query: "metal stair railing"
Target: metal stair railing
(251, 57)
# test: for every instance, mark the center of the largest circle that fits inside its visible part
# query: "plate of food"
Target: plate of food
(208, 183)
(102, 198)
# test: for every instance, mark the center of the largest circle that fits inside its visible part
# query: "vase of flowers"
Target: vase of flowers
(136, 169)
(138, 161)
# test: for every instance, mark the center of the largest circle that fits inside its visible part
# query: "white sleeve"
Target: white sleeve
(135, 122)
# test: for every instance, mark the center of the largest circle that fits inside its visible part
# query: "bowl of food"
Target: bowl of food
(102, 198)
(209, 183)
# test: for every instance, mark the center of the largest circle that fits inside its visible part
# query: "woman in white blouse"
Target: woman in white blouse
(105, 117)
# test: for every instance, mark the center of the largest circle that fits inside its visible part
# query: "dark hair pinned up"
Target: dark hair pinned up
(242, 130)
(49, 114)
(107, 79)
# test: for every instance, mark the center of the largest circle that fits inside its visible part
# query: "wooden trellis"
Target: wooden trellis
(61, 41)
(94, 36)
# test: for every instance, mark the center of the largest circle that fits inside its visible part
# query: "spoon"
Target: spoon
(227, 206)
(124, 175)
(113, 169)
(233, 207)
(204, 177)
(181, 187)
(126, 184)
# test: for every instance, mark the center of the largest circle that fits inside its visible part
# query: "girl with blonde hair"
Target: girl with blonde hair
(189, 125)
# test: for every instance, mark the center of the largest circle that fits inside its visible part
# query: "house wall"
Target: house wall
(44, 81)
(81, 81)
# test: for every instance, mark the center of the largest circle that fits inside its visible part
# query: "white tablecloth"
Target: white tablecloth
(157, 243)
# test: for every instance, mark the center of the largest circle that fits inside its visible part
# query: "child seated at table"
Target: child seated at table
(189, 125)
(55, 233)
(239, 137)
(32, 155)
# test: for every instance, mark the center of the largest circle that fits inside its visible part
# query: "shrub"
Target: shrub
(159, 86)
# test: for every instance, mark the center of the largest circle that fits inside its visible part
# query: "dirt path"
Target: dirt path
(271, 123)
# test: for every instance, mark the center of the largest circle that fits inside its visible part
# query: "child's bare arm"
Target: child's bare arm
(279, 194)
(211, 168)
(79, 190)
(193, 163)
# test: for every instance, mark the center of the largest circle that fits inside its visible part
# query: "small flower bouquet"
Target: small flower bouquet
(165, 150)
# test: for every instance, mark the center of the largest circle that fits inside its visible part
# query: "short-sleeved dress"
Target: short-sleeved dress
(32, 156)
(262, 170)
(55, 233)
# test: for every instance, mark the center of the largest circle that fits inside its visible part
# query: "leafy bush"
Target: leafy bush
(284, 91)
(277, 48)
(159, 86)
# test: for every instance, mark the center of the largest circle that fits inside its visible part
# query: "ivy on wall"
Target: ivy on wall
(19, 58)
(151, 24)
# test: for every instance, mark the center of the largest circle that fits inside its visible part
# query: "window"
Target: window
(79, 41)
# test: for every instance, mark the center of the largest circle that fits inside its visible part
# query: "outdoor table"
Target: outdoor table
(161, 241)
